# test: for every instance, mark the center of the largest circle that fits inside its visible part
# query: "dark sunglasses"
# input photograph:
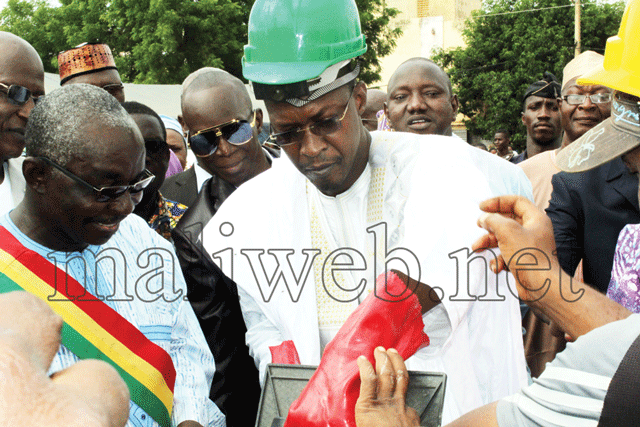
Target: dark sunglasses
(105, 194)
(320, 128)
(237, 132)
(18, 95)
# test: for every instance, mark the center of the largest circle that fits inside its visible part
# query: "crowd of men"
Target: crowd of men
(188, 282)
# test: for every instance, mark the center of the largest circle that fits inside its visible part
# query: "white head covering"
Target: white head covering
(580, 65)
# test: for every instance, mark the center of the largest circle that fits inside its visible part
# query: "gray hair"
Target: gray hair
(55, 124)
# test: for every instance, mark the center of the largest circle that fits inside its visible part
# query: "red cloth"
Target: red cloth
(285, 353)
(329, 398)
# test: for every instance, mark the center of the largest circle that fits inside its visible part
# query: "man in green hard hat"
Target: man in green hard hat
(347, 206)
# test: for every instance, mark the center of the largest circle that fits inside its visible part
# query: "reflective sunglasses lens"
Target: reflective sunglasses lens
(238, 133)
(19, 95)
(201, 146)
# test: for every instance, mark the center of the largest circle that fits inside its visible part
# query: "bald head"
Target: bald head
(420, 66)
(212, 98)
(208, 78)
(15, 47)
(375, 102)
(20, 65)
(420, 99)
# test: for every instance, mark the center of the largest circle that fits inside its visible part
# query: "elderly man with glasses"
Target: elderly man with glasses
(581, 107)
(21, 84)
(73, 243)
(308, 237)
(588, 209)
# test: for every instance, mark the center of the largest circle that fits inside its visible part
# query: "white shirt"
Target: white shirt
(201, 176)
(157, 307)
(6, 196)
(425, 190)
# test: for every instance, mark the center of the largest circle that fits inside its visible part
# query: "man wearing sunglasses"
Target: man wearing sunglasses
(308, 237)
(223, 132)
(21, 84)
(85, 171)
(91, 63)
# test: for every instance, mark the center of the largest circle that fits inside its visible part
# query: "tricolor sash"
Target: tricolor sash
(92, 329)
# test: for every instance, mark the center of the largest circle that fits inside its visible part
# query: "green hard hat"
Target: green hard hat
(293, 41)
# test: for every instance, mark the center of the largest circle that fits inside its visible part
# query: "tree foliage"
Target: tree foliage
(375, 18)
(507, 51)
(162, 41)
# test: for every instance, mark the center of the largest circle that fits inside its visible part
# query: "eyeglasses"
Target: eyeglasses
(321, 128)
(18, 95)
(596, 98)
(114, 88)
(106, 194)
(237, 132)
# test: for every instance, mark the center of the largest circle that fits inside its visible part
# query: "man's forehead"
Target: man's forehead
(580, 89)
(147, 123)
(213, 103)
(538, 100)
(20, 65)
(417, 70)
(95, 129)
(212, 95)
(105, 154)
(97, 78)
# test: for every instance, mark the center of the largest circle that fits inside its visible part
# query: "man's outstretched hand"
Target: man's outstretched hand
(88, 394)
(524, 235)
(383, 391)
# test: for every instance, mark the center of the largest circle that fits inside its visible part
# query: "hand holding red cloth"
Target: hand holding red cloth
(387, 318)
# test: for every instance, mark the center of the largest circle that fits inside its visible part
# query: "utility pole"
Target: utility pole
(577, 37)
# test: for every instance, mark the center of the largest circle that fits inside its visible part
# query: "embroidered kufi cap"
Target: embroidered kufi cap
(84, 59)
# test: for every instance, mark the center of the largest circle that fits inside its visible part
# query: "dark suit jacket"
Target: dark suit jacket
(181, 187)
(214, 298)
(519, 158)
(588, 210)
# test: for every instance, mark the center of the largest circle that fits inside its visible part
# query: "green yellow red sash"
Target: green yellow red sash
(92, 329)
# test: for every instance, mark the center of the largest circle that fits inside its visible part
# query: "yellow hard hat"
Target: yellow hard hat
(621, 67)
